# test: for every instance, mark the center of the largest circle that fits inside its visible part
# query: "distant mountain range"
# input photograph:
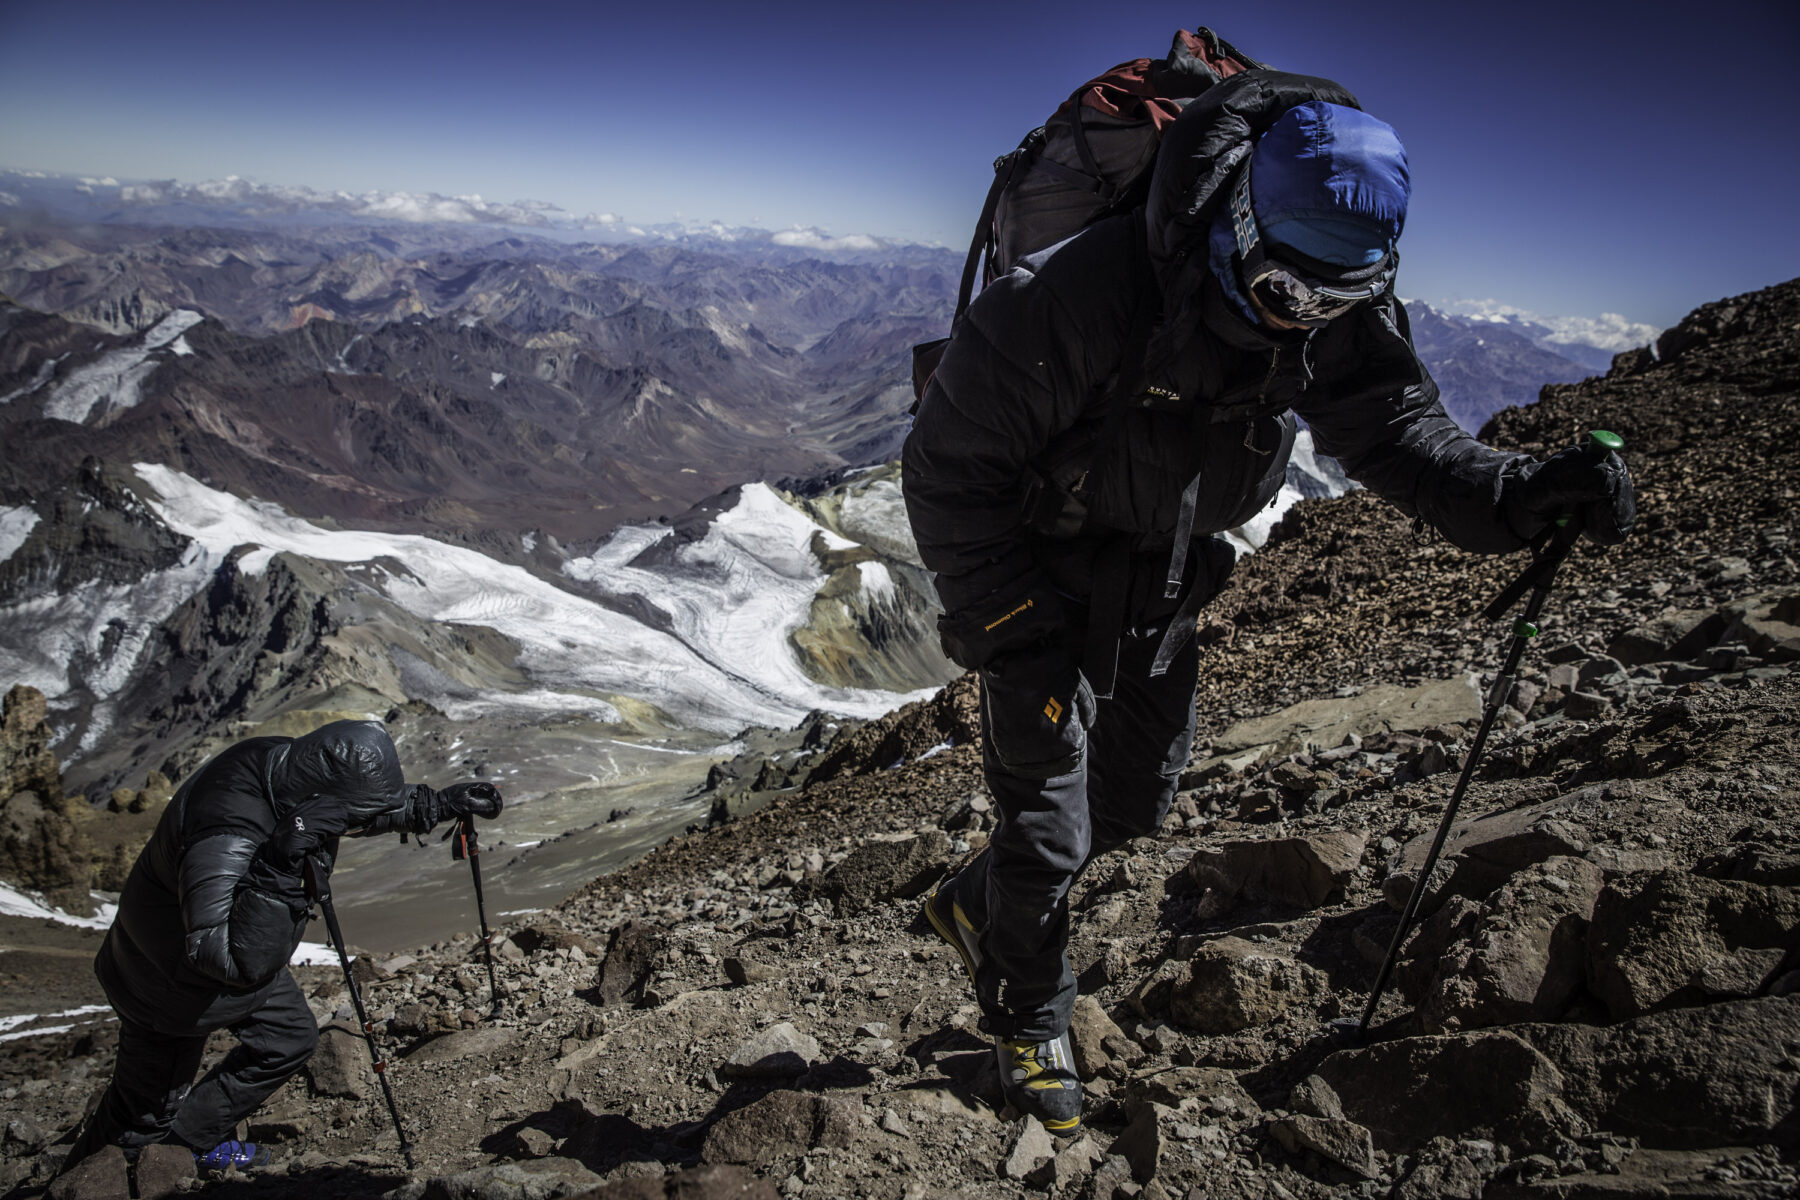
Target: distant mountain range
(578, 424)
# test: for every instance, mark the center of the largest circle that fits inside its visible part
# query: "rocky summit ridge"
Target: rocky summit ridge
(1602, 997)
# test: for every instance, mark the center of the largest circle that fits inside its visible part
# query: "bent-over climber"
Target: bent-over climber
(212, 911)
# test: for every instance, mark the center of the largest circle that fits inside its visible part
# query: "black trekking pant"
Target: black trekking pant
(1060, 807)
(153, 1097)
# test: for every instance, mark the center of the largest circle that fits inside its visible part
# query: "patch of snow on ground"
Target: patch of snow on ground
(498, 377)
(7, 1024)
(17, 903)
(16, 525)
(876, 517)
(733, 598)
(180, 348)
(343, 366)
(116, 377)
(45, 370)
(314, 954)
(481, 704)
(1318, 478)
(877, 581)
(91, 636)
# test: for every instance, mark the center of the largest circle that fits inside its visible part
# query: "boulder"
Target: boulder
(537, 1179)
(1072, 1164)
(1483, 852)
(1686, 1078)
(1304, 872)
(631, 955)
(1031, 1147)
(1089, 1028)
(549, 934)
(1489, 1084)
(781, 1124)
(879, 871)
(747, 971)
(1674, 635)
(778, 1052)
(99, 1176)
(340, 1066)
(466, 1043)
(695, 1183)
(1314, 1097)
(1343, 1142)
(1208, 1089)
(1143, 1142)
(1666, 938)
(163, 1171)
(1232, 984)
(1768, 625)
(1318, 724)
(1524, 958)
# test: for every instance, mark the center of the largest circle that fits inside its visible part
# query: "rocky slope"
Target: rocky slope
(1601, 999)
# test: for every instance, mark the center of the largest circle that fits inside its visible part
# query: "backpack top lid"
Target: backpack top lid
(1331, 183)
(1156, 89)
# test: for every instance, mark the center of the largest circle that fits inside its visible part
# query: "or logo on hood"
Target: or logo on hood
(300, 824)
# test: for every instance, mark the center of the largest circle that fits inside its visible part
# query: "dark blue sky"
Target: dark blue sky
(1568, 158)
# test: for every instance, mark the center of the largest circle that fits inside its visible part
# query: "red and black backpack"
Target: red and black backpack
(1093, 157)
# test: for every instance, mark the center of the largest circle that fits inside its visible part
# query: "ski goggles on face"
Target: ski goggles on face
(1289, 292)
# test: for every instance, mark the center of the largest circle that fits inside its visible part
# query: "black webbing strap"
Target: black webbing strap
(1005, 167)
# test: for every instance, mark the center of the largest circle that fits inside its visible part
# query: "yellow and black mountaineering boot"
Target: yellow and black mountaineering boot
(1039, 1079)
(953, 925)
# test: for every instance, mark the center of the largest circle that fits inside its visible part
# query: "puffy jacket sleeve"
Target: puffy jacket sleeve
(233, 932)
(236, 934)
(1376, 410)
(1020, 369)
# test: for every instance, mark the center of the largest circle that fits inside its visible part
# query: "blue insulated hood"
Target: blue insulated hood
(1330, 182)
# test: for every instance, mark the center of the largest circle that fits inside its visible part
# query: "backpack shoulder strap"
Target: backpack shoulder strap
(1006, 168)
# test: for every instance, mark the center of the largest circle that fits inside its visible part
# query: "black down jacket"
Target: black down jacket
(189, 926)
(1021, 396)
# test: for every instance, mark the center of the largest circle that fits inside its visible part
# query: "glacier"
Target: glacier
(116, 377)
(731, 599)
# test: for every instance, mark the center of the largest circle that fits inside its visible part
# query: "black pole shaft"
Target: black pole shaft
(315, 885)
(472, 850)
(1545, 572)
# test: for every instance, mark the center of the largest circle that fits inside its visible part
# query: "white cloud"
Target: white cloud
(1608, 331)
(818, 239)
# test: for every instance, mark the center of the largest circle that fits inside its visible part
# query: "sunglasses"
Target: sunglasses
(1288, 293)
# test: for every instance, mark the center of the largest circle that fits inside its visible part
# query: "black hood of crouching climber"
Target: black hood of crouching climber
(352, 761)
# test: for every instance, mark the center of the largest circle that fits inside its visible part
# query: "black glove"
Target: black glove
(308, 829)
(428, 806)
(1026, 613)
(1594, 490)
(473, 800)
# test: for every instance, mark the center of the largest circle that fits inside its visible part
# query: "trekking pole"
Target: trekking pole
(315, 888)
(1537, 579)
(469, 847)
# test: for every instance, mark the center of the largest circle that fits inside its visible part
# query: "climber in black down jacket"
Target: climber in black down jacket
(1100, 411)
(212, 911)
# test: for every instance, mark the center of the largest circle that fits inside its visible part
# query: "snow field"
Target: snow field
(747, 584)
(116, 377)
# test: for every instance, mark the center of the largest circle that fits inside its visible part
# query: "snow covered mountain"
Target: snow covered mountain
(124, 607)
(1590, 341)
